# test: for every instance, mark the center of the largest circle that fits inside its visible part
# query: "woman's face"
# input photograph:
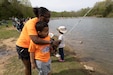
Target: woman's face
(45, 17)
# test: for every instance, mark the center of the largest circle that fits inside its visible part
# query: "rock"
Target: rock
(89, 68)
(81, 42)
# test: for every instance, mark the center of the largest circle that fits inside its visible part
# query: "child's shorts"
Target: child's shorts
(43, 67)
(23, 53)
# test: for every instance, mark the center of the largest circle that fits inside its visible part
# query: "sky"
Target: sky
(64, 5)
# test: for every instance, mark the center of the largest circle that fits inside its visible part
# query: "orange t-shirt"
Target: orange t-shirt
(42, 52)
(28, 29)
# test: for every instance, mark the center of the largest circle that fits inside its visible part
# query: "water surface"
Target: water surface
(97, 37)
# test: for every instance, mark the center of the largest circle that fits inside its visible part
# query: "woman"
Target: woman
(29, 33)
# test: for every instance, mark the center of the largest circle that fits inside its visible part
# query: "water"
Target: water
(97, 37)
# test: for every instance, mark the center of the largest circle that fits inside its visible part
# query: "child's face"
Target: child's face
(44, 32)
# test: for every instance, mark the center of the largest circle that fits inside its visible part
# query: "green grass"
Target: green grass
(71, 66)
(7, 32)
(14, 66)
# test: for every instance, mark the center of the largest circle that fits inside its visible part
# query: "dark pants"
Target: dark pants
(25, 57)
(61, 52)
(23, 53)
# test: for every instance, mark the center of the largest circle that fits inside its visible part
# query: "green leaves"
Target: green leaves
(14, 8)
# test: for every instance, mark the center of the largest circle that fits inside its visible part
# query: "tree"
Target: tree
(14, 8)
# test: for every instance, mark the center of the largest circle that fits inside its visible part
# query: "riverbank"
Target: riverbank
(7, 50)
(11, 65)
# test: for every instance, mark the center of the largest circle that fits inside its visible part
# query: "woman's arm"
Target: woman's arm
(38, 40)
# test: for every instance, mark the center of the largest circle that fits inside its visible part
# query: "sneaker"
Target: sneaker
(61, 60)
(57, 55)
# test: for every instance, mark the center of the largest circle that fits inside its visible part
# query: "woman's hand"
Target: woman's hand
(56, 43)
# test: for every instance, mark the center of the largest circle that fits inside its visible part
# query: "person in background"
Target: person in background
(61, 30)
(40, 54)
(22, 24)
(13, 21)
(29, 33)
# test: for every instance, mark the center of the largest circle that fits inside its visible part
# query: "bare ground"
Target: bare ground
(7, 50)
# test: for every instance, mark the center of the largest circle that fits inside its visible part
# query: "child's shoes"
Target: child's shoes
(61, 60)
(57, 55)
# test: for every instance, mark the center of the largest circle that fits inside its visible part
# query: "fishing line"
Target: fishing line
(79, 21)
(81, 42)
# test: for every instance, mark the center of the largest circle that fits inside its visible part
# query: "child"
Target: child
(62, 30)
(40, 54)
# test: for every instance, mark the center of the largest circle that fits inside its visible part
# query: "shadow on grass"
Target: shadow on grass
(67, 58)
(73, 72)
(77, 72)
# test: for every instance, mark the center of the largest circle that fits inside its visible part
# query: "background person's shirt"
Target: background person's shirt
(62, 44)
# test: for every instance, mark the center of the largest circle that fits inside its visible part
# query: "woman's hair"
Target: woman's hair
(40, 25)
(40, 11)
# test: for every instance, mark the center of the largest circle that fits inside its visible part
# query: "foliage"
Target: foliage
(100, 9)
(17, 9)
(14, 8)
(63, 14)
(103, 8)
(110, 14)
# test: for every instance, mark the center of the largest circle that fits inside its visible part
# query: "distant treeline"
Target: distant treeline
(100, 9)
(10, 8)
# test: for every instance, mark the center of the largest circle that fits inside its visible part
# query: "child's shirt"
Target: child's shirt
(42, 52)
(62, 44)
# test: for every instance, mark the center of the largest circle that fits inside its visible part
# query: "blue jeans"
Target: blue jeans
(61, 52)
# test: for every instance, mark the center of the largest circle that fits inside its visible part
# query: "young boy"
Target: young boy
(40, 54)
(61, 30)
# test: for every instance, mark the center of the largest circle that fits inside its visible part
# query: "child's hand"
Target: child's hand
(33, 65)
(52, 49)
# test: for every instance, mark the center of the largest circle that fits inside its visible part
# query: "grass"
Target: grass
(71, 66)
(8, 32)
(14, 66)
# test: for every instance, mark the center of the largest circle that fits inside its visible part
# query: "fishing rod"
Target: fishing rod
(79, 21)
(51, 34)
(81, 42)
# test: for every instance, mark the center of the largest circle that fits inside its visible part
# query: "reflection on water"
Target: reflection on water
(97, 37)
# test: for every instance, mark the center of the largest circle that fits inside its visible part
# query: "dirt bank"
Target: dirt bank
(7, 50)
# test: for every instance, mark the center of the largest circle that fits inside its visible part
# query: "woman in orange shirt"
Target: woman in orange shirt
(29, 33)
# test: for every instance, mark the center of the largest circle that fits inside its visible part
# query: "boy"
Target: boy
(61, 30)
(40, 54)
